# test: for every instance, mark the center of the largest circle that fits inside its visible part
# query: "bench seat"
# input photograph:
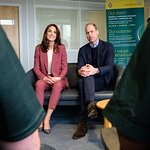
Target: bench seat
(70, 96)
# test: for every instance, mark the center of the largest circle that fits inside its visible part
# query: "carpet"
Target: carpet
(61, 138)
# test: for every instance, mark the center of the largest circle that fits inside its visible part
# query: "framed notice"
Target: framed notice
(125, 25)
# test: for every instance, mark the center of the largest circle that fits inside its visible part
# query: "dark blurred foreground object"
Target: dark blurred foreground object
(20, 111)
(115, 140)
(129, 108)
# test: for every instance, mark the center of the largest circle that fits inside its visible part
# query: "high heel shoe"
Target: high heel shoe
(47, 131)
(40, 129)
(46, 124)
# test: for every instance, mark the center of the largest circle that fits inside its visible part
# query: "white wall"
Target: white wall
(27, 23)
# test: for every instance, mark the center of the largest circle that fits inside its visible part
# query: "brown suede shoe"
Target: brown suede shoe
(81, 131)
(92, 110)
(114, 140)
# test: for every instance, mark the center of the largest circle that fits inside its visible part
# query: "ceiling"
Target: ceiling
(103, 1)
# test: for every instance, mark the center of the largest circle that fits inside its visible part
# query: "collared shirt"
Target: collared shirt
(93, 45)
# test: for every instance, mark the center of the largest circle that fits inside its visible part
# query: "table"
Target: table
(102, 104)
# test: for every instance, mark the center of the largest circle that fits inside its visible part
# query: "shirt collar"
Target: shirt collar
(93, 45)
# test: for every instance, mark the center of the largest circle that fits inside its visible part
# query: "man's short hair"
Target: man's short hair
(91, 24)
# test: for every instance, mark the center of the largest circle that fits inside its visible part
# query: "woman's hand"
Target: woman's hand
(51, 80)
(55, 79)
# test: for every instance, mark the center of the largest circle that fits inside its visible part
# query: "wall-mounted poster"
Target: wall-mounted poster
(125, 25)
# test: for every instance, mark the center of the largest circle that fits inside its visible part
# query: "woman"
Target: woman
(50, 67)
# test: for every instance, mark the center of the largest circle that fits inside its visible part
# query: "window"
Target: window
(66, 20)
(71, 21)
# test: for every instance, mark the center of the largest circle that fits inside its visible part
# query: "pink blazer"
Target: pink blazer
(59, 66)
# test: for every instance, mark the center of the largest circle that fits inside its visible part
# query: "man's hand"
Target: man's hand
(87, 70)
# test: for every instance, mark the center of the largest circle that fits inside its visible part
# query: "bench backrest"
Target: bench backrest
(72, 76)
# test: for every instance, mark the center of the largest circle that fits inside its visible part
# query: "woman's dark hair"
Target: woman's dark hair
(45, 43)
(148, 19)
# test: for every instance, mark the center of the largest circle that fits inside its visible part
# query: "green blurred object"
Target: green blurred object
(20, 111)
(129, 108)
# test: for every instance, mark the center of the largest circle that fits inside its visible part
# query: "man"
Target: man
(95, 71)
(20, 112)
(129, 108)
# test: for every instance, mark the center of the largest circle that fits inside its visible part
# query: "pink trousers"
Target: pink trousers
(56, 89)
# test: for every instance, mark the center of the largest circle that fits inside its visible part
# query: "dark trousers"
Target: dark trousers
(87, 88)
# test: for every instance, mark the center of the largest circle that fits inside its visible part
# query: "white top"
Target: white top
(49, 54)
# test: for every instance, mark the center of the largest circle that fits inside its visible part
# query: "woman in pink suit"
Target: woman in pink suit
(50, 67)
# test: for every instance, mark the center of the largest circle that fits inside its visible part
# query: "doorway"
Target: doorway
(9, 19)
